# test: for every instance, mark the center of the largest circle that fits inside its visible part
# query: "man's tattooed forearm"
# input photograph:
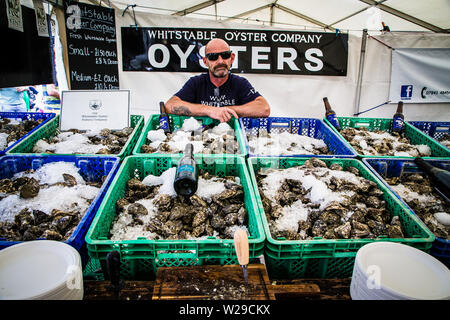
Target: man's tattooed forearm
(181, 111)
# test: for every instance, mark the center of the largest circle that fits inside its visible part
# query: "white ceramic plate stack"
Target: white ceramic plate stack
(393, 271)
(40, 270)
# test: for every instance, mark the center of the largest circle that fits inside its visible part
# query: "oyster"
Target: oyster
(360, 211)
(29, 189)
(69, 180)
(417, 191)
(175, 217)
(14, 132)
(137, 209)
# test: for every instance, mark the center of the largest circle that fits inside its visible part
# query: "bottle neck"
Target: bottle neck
(428, 168)
(327, 105)
(162, 108)
(400, 107)
(189, 150)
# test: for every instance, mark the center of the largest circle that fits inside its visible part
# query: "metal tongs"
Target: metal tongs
(241, 246)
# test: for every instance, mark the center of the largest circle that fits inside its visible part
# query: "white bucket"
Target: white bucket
(393, 271)
(40, 270)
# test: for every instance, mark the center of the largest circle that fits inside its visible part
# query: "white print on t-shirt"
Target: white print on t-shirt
(219, 101)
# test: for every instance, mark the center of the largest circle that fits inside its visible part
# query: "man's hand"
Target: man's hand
(223, 114)
(20, 89)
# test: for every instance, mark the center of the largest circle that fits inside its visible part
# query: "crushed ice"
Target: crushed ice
(284, 143)
(57, 197)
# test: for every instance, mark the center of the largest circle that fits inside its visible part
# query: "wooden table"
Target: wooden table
(178, 283)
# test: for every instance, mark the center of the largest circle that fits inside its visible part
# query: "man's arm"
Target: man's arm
(51, 90)
(177, 106)
(256, 108)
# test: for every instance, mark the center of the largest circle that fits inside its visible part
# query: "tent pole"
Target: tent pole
(361, 69)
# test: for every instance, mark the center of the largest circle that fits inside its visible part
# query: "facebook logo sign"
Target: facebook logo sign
(406, 92)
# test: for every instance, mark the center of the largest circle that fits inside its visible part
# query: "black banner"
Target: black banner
(257, 51)
(26, 57)
(92, 47)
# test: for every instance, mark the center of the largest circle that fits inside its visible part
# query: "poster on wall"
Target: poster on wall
(14, 14)
(257, 51)
(92, 47)
(41, 18)
(420, 75)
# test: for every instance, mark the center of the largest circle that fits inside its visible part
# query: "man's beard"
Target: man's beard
(221, 75)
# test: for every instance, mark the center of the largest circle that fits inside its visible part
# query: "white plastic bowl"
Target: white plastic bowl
(388, 271)
(38, 270)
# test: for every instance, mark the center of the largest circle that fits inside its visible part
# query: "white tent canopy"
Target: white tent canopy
(346, 15)
(413, 24)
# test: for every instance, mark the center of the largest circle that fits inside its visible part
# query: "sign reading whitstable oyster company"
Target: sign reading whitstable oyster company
(94, 109)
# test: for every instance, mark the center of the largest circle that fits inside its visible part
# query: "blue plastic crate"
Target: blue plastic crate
(311, 127)
(388, 168)
(26, 116)
(92, 168)
(435, 129)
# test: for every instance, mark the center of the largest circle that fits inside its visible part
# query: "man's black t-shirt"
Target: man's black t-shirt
(235, 91)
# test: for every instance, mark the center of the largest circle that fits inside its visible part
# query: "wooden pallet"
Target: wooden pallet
(212, 282)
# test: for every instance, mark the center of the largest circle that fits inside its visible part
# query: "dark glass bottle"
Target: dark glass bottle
(398, 119)
(163, 118)
(206, 127)
(330, 115)
(186, 177)
(440, 178)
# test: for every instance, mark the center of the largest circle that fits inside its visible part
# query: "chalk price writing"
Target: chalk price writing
(105, 61)
(96, 77)
(104, 86)
(105, 53)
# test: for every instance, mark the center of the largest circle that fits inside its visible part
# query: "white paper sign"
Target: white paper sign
(94, 109)
(420, 75)
(41, 18)
(14, 14)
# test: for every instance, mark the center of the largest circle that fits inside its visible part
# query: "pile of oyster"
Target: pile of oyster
(445, 140)
(146, 211)
(383, 143)
(314, 200)
(22, 223)
(12, 131)
(218, 139)
(214, 289)
(284, 143)
(417, 191)
(73, 141)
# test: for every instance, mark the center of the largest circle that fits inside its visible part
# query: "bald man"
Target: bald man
(218, 94)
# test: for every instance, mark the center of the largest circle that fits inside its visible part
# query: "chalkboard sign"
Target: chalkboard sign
(91, 46)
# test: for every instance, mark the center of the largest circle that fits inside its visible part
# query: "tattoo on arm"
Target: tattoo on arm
(181, 110)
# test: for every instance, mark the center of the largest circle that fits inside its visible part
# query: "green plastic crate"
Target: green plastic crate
(141, 258)
(51, 129)
(176, 122)
(329, 258)
(92, 270)
(415, 135)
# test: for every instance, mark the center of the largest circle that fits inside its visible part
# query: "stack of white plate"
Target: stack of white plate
(40, 270)
(393, 271)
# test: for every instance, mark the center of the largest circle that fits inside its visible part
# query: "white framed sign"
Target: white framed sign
(94, 109)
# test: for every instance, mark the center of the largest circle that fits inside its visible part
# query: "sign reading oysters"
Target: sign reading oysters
(256, 51)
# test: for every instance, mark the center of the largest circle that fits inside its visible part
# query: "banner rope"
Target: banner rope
(372, 37)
